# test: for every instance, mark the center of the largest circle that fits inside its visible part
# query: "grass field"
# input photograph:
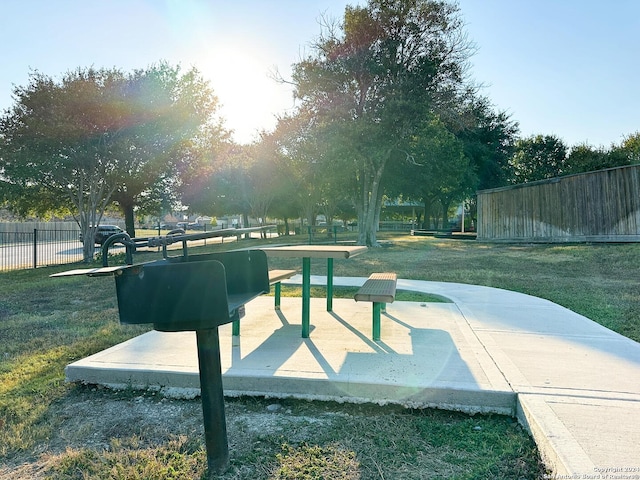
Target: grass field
(63, 431)
(600, 281)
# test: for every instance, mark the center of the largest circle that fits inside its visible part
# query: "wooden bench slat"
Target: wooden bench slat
(380, 287)
(276, 276)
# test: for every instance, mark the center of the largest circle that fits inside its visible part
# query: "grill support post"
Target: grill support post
(215, 425)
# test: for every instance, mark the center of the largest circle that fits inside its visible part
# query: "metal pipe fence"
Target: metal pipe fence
(38, 248)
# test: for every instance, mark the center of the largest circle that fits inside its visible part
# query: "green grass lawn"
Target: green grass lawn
(51, 429)
(599, 281)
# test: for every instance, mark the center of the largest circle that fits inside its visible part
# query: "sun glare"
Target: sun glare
(248, 96)
(235, 59)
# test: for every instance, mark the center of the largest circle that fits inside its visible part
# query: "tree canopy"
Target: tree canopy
(539, 157)
(371, 85)
(95, 136)
(384, 106)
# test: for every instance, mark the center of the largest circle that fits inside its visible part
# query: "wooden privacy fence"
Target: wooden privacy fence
(602, 206)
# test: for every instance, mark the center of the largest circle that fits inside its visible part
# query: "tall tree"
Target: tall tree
(304, 150)
(369, 85)
(242, 179)
(58, 139)
(165, 110)
(265, 179)
(439, 175)
(221, 188)
(200, 162)
(489, 138)
(539, 157)
(97, 135)
(629, 149)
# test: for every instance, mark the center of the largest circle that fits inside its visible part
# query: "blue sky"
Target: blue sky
(565, 67)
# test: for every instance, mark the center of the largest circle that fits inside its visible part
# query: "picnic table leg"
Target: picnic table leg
(329, 284)
(306, 295)
(277, 296)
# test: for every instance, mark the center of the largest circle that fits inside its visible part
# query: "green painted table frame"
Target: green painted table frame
(307, 252)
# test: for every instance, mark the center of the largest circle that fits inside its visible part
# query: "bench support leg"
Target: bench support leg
(306, 295)
(235, 324)
(277, 296)
(376, 320)
(329, 284)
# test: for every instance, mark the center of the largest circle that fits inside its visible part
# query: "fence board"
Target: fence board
(595, 206)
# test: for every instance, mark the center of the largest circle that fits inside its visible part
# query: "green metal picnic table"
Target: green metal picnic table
(307, 252)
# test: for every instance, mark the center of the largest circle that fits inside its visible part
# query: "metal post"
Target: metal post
(124, 239)
(235, 328)
(35, 248)
(306, 295)
(215, 426)
(278, 291)
(376, 321)
(329, 284)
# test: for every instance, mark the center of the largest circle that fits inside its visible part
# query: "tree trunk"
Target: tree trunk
(129, 219)
(245, 224)
(308, 209)
(91, 201)
(445, 203)
(88, 245)
(371, 198)
(89, 221)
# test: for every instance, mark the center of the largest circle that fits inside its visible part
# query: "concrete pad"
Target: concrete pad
(579, 364)
(423, 358)
(573, 383)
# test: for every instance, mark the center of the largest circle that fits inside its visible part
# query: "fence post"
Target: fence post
(35, 248)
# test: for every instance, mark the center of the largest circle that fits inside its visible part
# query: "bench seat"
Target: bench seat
(275, 277)
(380, 289)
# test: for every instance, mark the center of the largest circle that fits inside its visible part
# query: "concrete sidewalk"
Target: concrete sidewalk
(573, 383)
